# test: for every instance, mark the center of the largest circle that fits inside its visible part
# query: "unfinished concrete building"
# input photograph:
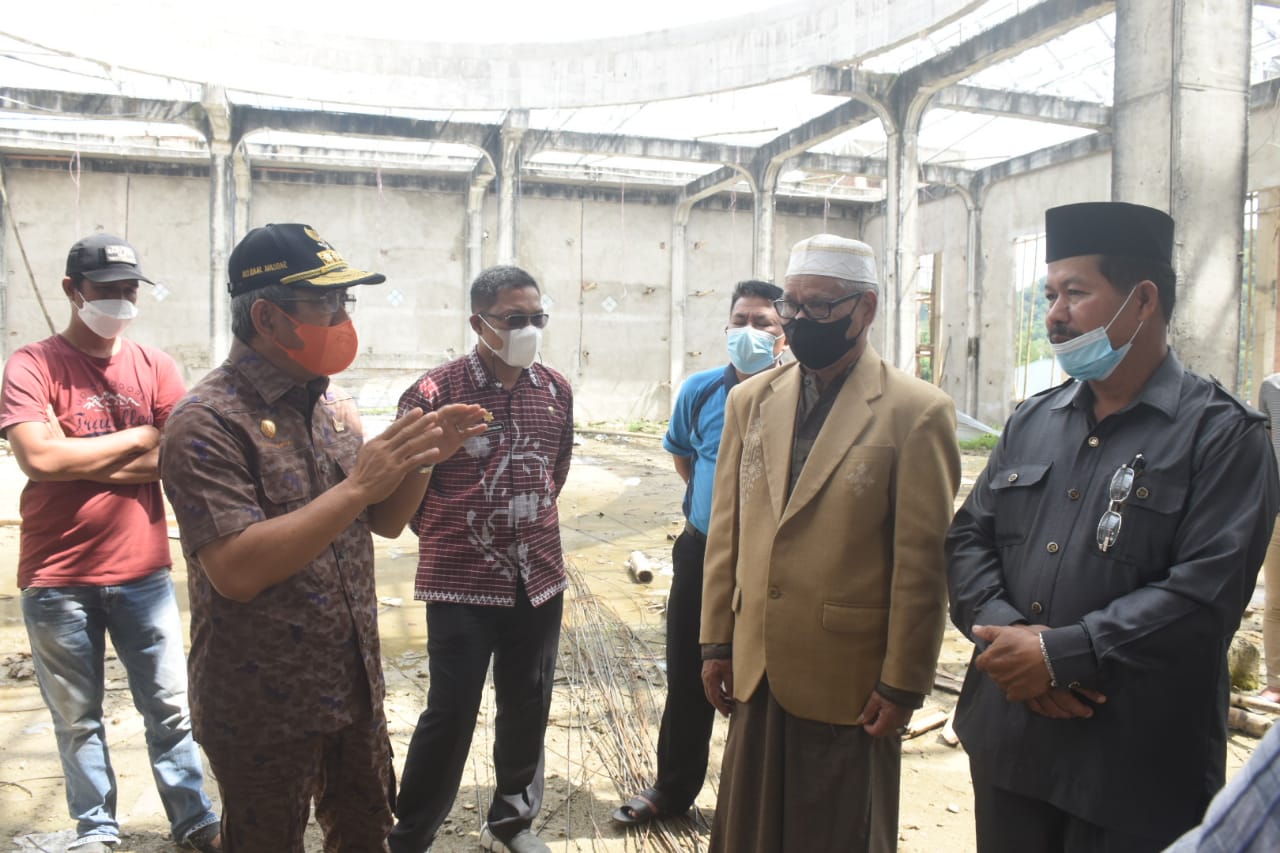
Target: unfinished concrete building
(641, 173)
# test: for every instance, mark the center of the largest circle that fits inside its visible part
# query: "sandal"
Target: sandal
(642, 808)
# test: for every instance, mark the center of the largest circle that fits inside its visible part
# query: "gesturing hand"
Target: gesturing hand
(408, 443)
(457, 422)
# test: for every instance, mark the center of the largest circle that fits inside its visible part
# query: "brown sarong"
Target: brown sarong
(789, 784)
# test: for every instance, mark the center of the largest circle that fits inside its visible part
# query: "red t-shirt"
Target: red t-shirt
(81, 533)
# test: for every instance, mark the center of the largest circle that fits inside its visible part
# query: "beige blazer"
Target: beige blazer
(844, 585)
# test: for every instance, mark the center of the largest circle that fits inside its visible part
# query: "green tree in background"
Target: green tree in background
(1033, 338)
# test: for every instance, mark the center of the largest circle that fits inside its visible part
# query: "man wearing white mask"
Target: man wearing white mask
(754, 340)
(82, 411)
(491, 569)
(1103, 560)
(824, 595)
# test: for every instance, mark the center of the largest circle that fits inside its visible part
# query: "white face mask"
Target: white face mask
(107, 318)
(519, 346)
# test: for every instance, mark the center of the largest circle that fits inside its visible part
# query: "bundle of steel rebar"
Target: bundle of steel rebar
(615, 684)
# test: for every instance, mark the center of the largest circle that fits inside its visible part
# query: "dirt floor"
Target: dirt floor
(622, 496)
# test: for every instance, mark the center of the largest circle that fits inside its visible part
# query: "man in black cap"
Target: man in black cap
(1103, 560)
(82, 410)
(276, 492)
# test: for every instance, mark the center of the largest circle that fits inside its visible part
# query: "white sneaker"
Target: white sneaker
(524, 841)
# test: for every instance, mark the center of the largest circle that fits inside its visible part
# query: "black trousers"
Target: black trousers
(1011, 823)
(685, 737)
(461, 638)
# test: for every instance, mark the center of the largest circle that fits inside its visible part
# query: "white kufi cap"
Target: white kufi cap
(834, 257)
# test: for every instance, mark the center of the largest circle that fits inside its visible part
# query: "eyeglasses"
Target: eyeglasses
(519, 321)
(1121, 486)
(330, 303)
(820, 310)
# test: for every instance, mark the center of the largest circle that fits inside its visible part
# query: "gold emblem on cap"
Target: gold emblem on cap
(268, 427)
(339, 426)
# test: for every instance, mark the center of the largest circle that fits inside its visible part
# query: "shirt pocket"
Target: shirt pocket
(341, 453)
(285, 481)
(1149, 520)
(1018, 490)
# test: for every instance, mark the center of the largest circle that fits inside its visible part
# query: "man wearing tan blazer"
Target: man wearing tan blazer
(825, 593)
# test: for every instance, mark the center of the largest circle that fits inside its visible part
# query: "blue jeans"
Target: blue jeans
(67, 628)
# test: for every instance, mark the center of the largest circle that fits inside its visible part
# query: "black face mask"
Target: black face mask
(818, 345)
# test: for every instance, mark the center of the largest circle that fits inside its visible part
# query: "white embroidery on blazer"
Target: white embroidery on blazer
(860, 478)
(751, 468)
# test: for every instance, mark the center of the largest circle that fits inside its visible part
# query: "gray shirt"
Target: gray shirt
(1147, 622)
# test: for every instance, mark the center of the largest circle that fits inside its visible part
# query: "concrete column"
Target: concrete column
(1266, 260)
(222, 193)
(513, 130)
(973, 301)
(762, 235)
(6, 298)
(473, 238)
(898, 279)
(242, 181)
(221, 206)
(1180, 144)
(679, 295)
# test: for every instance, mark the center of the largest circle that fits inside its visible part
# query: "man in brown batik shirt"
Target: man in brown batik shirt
(275, 494)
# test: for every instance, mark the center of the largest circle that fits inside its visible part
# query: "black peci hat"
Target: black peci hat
(1108, 228)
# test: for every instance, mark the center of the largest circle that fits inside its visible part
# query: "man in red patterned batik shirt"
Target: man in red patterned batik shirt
(491, 569)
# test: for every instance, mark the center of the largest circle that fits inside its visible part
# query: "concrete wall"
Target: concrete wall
(1012, 209)
(167, 219)
(944, 228)
(607, 267)
(584, 250)
(604, 264)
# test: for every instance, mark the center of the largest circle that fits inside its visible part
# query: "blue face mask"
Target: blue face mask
(750, 350)
(1090, 356)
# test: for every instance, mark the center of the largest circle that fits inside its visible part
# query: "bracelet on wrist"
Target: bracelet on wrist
(1048, 664)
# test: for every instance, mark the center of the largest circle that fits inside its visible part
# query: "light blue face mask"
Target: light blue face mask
(1090, 356)
(750, 350)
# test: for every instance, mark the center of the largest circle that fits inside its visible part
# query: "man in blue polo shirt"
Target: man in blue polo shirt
(755, 339)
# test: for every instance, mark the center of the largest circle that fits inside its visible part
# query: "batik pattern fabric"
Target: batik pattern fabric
(489, 515)
(302, 658)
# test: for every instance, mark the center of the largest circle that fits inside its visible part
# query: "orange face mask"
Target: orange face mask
(325, 350)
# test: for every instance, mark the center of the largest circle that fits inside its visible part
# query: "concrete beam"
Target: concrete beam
(1267, 93)
(714, 182)
(1025, 105)
(786, 145)
(1074, 149)
(47, 101)
(249, 119)
(43, 142)
(684, 150)
(814, 131)
(930, 173)
(770, 43)
(852, 83)
(351, 159)
(1038, 24)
